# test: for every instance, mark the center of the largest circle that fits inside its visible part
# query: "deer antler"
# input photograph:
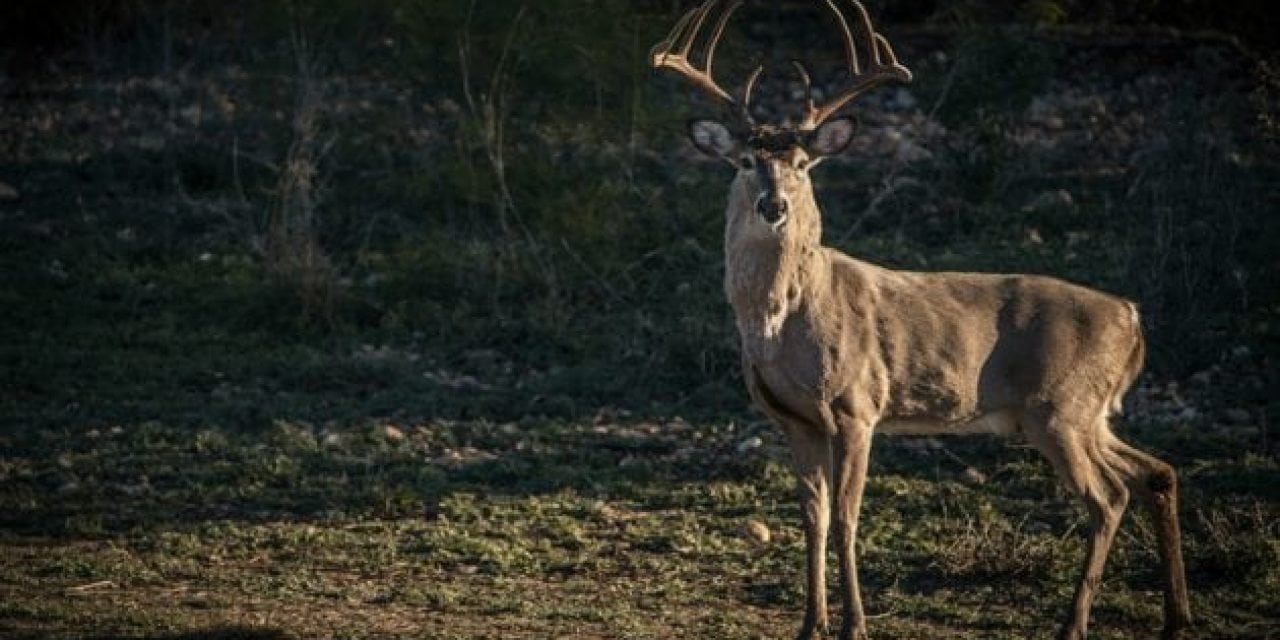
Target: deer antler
(882, 66)
(673, 53)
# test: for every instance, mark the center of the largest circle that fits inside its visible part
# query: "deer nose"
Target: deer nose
(773, 207)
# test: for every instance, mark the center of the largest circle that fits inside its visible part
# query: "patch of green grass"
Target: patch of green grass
(653, 552)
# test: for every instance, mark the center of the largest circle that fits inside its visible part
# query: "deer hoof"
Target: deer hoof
(853, 633)
(811, 632)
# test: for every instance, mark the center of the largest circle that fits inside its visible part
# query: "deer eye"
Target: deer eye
(800, 164)
(747, 162)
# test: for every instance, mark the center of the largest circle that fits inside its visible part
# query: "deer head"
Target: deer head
(773, 160)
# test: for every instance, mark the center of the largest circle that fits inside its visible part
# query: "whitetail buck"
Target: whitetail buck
(834, 348)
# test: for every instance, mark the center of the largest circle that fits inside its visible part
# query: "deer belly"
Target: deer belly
(1003, 422)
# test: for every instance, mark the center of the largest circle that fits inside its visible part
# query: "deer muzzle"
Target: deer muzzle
(773, 207)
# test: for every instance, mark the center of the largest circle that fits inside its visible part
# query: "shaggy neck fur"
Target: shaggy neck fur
(768, 273)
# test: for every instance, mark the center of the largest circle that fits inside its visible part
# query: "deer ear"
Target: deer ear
(831, 137)
(712, 138)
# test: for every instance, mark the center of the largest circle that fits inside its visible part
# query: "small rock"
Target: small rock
(149, 142)
(57, 271)
(449, 458)
(133, 490)
(1075, 238)
(758, 532)
(606, 511)
(754, 442)
(903, 100)
(1059, 198)
(482, 357)
(1187, 414)
(449, 107)
(1238, 416)
(193, 114)
(392, 433)
(973, 476)
(1202, 378)
(8, 193)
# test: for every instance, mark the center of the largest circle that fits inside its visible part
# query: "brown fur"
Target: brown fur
(835, 348)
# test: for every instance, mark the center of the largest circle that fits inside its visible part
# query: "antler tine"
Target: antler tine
(673, 53)
(709, 53)
(665, 45)
(850, 50)
(882, 65)
(883, 48)
(662, 49)
(746, 92)
(808, 84)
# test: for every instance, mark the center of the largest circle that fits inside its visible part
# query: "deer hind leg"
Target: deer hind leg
(811, 461)
(1079, 453)
(1156, 484)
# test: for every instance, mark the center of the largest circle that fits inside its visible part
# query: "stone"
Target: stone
(758, 532)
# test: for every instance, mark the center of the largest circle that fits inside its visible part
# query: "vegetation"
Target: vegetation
(401, 319)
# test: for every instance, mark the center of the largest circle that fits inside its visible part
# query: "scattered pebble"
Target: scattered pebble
(392, 433)
(1055, 199)
(758, 532)
(1237, 415)
(973, 476)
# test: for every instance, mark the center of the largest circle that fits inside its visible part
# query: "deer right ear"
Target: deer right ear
(713, 138)
(832, 137)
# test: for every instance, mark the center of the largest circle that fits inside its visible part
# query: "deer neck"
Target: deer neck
(769, 276)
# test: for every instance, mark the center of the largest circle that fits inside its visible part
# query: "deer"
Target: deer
(835, 349)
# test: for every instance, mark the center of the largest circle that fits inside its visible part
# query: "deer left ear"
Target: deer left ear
(831, 137)
(712, 138)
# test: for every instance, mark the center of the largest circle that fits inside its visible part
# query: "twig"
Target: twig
(604, 284)
(92, 586)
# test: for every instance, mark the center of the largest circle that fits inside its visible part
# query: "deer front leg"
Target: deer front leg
(811, 461)
(852, 450)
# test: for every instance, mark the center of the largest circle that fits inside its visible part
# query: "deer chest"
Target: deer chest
(790, 364)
